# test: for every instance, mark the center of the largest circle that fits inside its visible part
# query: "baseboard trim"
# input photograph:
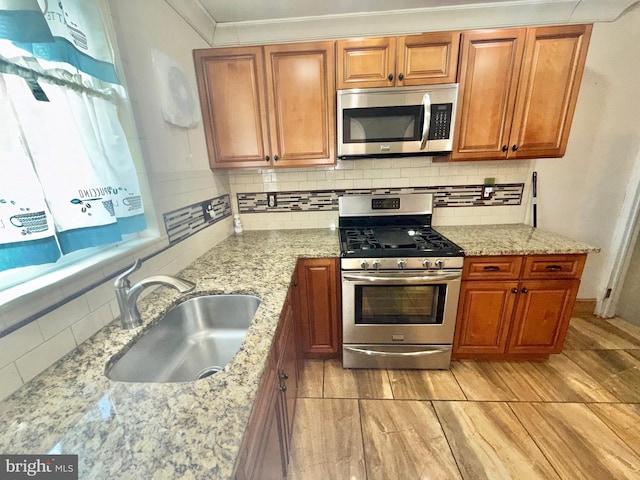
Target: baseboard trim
(584, 307)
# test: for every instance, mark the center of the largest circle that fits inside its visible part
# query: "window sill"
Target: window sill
(23, 303)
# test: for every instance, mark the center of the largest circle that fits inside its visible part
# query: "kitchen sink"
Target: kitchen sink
(193, 340)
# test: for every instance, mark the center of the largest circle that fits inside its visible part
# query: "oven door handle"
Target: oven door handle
(402, 280)
(431, 351)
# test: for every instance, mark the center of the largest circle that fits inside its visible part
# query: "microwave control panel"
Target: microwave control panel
(440, 125)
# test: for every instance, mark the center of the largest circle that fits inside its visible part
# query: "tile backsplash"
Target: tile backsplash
(307, 197)
(327, 200)
(185, 221)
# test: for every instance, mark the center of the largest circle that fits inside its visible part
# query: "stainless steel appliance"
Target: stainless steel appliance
(396, 121)
(400, 283)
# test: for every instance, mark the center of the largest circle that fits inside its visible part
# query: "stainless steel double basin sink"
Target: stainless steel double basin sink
(193, 340)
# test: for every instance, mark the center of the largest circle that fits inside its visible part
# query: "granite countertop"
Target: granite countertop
(171, 430)
(193, 430)
(517, 239)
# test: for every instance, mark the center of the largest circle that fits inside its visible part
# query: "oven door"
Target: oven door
(400, 307)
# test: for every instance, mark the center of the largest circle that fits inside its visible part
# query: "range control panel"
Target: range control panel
(385, 203)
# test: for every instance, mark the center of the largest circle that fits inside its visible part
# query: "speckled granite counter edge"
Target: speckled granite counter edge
(519, 239)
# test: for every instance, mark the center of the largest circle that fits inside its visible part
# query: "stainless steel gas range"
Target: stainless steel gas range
(400, 283)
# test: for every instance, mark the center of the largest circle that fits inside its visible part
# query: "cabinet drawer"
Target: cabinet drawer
(492, 268)
(553, 266)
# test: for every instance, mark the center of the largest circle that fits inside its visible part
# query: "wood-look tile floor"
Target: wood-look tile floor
(575, 416)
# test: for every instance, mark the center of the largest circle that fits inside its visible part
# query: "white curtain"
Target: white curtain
(68, 181)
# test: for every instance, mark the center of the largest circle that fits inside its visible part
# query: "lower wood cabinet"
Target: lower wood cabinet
(516, 306)
(309, 327)
(317, 282)
(264, 454)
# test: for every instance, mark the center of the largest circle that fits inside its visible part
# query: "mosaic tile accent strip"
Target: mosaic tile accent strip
(186, 221)
(327, 200)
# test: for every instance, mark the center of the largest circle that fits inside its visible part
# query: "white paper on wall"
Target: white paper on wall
(177, 98)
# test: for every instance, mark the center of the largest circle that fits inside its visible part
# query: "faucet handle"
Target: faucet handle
(122, 281)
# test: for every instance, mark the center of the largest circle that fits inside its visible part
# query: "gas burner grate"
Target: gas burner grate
(395, 238)
(361, 239)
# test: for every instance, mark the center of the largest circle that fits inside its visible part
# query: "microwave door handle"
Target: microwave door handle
(426, 104)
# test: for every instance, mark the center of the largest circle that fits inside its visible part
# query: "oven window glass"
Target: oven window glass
(400, 304)
(383, 124)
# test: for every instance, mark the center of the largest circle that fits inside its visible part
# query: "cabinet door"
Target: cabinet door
(427, 59)
(271, 463)
(302, 103)
(542, 316)
(548, 90)
(319, 307)
(288, 370)
(488, 75)
(233, 102)
(366, 63)
(262, 453)
(484, 317)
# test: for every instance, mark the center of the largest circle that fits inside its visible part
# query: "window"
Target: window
(70, 195)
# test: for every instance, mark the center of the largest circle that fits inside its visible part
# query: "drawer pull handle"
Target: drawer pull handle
(492, 268)
(554, 268)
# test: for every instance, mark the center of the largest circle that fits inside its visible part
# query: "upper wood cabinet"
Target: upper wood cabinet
(518, 90)
(425, 59)
(268, 106)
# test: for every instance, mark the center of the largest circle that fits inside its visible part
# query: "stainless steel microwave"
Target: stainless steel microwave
(397, 121)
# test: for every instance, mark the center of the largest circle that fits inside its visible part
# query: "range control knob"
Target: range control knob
(440, 263)
(364, 265)
(376, 264)
(402, 263)
(426, 263)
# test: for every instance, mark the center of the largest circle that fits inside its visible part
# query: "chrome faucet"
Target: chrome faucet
(127, 295)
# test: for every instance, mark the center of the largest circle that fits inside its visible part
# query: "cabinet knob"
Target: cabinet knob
(282, 388)
(267, 158)
(504, 148)
(514, 290)
(284, 376)
(401, 76)
(524, 290)
(294, 284)
(276, 158)
(390, 77)
(514, 147)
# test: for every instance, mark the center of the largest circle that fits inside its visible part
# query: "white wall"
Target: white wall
(582, 194)
(176, 158)
(629, 302)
